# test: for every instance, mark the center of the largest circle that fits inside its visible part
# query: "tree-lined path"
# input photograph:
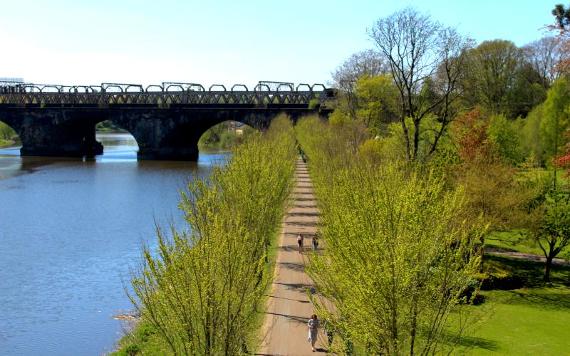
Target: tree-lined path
(288, 309)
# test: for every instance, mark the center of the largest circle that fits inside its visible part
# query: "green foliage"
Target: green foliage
(108, 126)
(399, 251)
(7, 135)
(499, 79)
(201, 289)
(377, 97)
(549, 225)
(504, 135)
(556, 119)
(221, 137)
(531, 142)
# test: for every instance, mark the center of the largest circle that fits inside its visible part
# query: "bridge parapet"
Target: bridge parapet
(166, 120)
(163, 96)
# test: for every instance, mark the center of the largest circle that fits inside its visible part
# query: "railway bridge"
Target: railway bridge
(166, 120)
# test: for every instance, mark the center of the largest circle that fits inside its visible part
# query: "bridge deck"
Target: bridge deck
(167, 99)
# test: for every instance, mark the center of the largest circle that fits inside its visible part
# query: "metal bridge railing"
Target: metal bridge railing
(161, 95)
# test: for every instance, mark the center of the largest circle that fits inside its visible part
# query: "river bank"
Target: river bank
(71, 232)
(7, 143)
(233, 218)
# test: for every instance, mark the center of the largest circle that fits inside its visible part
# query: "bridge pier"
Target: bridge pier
(170, 133)
(55, 133)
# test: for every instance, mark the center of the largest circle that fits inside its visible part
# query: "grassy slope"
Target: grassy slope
(529, 321)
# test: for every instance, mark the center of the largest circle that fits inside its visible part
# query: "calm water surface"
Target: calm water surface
(70, 231)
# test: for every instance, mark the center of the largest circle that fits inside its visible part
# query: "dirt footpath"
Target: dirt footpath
(285, 328)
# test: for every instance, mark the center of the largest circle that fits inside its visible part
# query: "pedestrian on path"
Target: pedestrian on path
(315, 242)
(313, 325)
(300, 242)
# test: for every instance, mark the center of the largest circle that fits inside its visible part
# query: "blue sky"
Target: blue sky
(89, 42)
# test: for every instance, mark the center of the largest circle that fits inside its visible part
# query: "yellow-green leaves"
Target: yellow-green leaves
(399, 251)
(201, 290)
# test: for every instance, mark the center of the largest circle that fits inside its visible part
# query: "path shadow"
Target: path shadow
(300, 223)
(478, 342)
(291, 299)
(309, 213)
(304, 199)
(293, 266)
(307, 235)
(295, 318)
(308, 206)
(543, 300)
(301, 287)
(530, 272)
(289, 248)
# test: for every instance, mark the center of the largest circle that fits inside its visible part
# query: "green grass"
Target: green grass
(8, 142)
(522, 322)
(534, 320)
(562, 179)
(512, 241)
(144, 340)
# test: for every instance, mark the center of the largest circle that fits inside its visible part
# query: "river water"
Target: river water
(70, 232)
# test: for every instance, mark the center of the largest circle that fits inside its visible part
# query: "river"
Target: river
(70, 232)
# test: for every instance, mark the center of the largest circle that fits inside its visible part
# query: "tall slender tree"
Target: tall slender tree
(420, 51)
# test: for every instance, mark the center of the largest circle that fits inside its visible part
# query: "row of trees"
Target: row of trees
(201, 291)
(422, 71)
(402, 247)
(486, 112)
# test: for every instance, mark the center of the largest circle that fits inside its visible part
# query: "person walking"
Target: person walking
(300, 242)
(313, 325)
(315, 242)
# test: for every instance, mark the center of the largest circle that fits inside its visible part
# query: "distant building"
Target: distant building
(11, 85)
(5, 81)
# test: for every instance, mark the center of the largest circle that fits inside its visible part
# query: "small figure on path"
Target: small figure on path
(315, 242)
(313, 325)
(300, 242)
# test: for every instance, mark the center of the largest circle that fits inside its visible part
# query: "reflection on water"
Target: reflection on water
(70, 230)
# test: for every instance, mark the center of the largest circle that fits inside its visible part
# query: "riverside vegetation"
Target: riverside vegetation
(201, 292)
(8, 137)
(435, 152)
(441, 161)
(400, 252)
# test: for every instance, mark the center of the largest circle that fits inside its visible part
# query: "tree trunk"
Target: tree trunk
(547, 268)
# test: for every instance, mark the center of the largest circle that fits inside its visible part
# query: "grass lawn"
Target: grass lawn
(534, 320)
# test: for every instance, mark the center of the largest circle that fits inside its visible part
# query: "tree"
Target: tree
(550, 226)
(562, 27)
(545, 56)
(417, 49)
(201, 290)
(556, 118)
(378, 101)
(501, 80)
(504, 135)
(491, 189)
(410, 250)
(562, 16)
(564, 159)
(367, 63)
(364, 63)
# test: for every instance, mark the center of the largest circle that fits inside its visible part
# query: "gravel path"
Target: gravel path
(288, 309)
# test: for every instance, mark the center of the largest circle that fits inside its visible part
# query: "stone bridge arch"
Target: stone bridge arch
(10, 125)
(161, 133)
